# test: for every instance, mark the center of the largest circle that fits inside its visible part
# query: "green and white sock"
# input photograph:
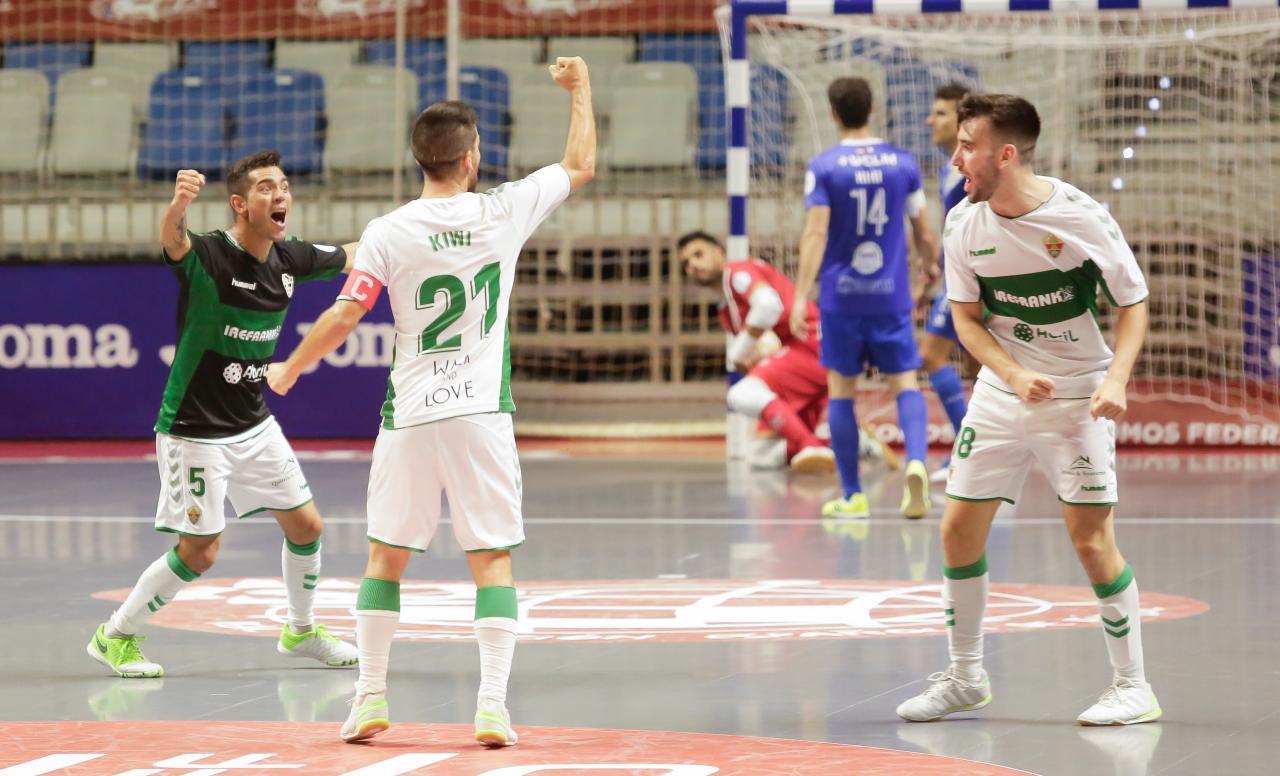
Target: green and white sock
(156, 587)
(301, 566)
(377, 617)
(1122, 624)
(964, 598)
(495, 626)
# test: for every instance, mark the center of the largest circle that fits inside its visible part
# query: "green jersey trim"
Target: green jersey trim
(260, 510)
(505, 402)
(1052, 296)
(389, 404)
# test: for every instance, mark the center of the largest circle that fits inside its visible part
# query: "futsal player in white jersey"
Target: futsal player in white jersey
(1034, 250)
(448, 262)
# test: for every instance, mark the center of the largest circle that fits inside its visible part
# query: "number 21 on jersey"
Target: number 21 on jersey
(450, 292)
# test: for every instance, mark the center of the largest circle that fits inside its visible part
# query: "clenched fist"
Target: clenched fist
(569, 72)
(187, 187)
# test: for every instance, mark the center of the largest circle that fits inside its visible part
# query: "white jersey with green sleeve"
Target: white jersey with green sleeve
(1038, 276)
(448, 265)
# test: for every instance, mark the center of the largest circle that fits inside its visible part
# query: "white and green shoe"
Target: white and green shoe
(856, 506)
(493, 725)
(369, 717)
(122, 655)
(1125, 702)
(947, 694)
(317, 644)
(915, 493)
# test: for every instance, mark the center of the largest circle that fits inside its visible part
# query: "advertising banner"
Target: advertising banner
(85, 351)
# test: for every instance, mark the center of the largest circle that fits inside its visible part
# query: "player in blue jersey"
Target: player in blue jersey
(939, 332)
(858, 195)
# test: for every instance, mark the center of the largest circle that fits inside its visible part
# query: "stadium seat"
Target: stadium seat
(94, 123)
(329, 58)
(424, 56)
(361, 139)
(143, 61)
(500, 52)
(282, 110)
(653, 99)
(24, 103)
(539, 123)
(220, 59)
(186, 127)
(602, 54)
(52, 59)
(486, 89)
(703, 54)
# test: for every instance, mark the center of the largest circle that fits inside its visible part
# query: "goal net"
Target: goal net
(1171, 120)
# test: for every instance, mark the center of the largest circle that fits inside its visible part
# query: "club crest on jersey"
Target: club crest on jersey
(193, 514)
(1053, 245)
(287, 279)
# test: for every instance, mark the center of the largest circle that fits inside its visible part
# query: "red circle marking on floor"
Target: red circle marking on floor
(655, 610)
(439, 750)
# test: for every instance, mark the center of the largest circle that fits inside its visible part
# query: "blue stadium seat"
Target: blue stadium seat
(186, 127)
(424, 56)
(280, 109)
(487, 89)
(221, 59)
(52, 59)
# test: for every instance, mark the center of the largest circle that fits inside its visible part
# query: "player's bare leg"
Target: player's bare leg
(1129, 699)
(377, 618)
(845, 441)
(495, 624)
(300, 563)
(964, 685)
(913, 418)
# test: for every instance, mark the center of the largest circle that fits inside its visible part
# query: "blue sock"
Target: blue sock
(844, 441)
(913, 417)
(946, 383)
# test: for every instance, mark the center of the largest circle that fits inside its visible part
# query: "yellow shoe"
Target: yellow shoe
(854, 507)
(915, 495)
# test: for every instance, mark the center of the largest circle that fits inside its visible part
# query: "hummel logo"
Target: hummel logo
(1094, 487)
(983, 252)
(244, 285)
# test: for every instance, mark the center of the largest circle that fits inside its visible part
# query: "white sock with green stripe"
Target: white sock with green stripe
(156, 587)
(1122, 624)
(301, 564)
(964, 598)
(496, 634)
(377, 617)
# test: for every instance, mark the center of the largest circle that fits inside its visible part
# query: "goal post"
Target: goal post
(1167, 113)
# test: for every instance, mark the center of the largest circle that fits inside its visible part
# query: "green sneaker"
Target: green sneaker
(915, 494)
(369, 717)
(122, 655)
(317, 644)
(856, 506)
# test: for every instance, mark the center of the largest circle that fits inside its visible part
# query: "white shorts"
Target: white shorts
(471, 460)
(1001, 435)
(259, 473)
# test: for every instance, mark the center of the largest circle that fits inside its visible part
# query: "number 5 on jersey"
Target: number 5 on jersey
(455, 304)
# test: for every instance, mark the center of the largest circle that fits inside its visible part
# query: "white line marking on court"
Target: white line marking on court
(896, 520)
(400, 764)
(54, 762)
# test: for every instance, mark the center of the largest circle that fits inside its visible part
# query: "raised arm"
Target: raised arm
(973, 334)
(813, 242)
(173, 223)
(331, 330)
(580, 146)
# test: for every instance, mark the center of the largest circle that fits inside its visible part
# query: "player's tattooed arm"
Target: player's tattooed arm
(173, 223)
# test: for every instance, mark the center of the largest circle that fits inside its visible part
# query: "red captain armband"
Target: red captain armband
(361, 288)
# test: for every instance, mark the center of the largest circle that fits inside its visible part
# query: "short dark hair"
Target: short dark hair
(1012, 118)
(850, 98)
(238, 172)
(442, 135)
(696, 234)
(952, 92)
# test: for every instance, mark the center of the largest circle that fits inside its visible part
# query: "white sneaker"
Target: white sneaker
(814, 460)
(317, 644)
(947, 695)
(915, 491)
(493, 725)
(1123, 703)
(369, 717)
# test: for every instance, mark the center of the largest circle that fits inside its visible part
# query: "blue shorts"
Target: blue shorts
(887, 342)
(939, 322)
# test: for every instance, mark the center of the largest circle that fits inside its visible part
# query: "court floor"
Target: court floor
(662, 589)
